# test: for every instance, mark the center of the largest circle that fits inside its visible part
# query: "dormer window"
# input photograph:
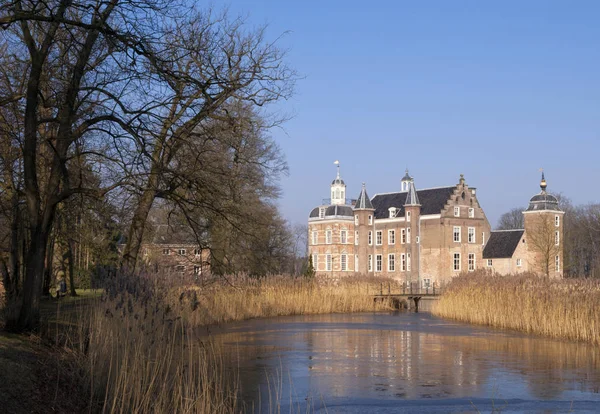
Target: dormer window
(322, 212)
(392, 211)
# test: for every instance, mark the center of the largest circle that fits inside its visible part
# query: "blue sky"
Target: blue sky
(493, 90)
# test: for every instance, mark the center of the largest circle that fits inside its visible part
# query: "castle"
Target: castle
(428, 236)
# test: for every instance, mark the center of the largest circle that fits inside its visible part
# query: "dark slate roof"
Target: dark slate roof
(314, 213)
(338, 181)
(502, 244)
(432, 201)
(363, 201)
(339, 210)
(543, 201)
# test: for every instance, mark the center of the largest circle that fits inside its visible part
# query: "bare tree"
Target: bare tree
(511, 220)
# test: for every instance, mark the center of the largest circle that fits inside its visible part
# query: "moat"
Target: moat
(405, 362)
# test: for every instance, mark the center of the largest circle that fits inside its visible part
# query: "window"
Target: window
(344, 262)
(344, 236)
(408, 262)
(408, 216)
(403, 262)
(379, 238)
(557, 263)
(391, 262)
(417, 239)
(370, 238)
(328, 236)
(489, 263)
(378, 264)
(370, 263)
(315, 258)
(356, 263)
(392, 211)
(356, 219)
(322, 212)
(370, 220)
(403, 236)
(166, 252)
(483, 238)
(471, 234)
(456, 262)
(556, 238)
(456, 234)
(557, 220)
(456, 211)
(180, 269)
(519, 263)
(408, 235)
(181, 252)
(197, 270)
(315, 237)
(471, 213)
(426, 283)
(328, 262)
(356, 238)
(471, 262)
(391, 237)
(197, 252)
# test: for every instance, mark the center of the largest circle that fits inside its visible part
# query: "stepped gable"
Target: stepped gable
(502, 244)
(432, 201)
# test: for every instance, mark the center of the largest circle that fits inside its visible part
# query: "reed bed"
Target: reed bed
(247, 298)
(142, 354)
(556, 308)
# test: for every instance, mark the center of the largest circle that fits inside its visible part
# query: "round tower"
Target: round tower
(544, 233)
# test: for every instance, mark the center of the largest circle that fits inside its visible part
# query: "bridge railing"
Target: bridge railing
(411, 288)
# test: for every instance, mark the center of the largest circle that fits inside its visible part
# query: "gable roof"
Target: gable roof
(502, 244)
(432, 201)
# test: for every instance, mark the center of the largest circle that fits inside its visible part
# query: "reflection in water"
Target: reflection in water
(402, 356)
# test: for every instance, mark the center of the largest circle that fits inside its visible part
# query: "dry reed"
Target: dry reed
(141, 355)
(556, 308)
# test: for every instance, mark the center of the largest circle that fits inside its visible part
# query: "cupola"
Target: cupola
(405, 183)
(338, 188)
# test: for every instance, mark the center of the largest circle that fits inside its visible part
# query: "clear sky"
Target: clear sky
(493, 90)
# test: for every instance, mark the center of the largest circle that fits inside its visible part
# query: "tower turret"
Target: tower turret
(544, 233)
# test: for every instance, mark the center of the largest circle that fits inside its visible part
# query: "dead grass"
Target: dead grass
(556, 308)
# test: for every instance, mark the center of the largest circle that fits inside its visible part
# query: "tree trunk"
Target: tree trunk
(29, 316)
(71, 264)
(13, 260)
(136, 231)
(48, 268)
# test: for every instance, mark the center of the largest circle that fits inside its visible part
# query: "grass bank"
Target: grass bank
(556, 308)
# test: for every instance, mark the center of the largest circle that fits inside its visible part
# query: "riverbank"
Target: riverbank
(137, 347)
(556, 308)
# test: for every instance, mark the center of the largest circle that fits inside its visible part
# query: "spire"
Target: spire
(412, 199)
(543, 183)
(336, 162)
(363, 201)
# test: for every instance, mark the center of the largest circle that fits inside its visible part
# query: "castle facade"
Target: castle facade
(427, 236)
